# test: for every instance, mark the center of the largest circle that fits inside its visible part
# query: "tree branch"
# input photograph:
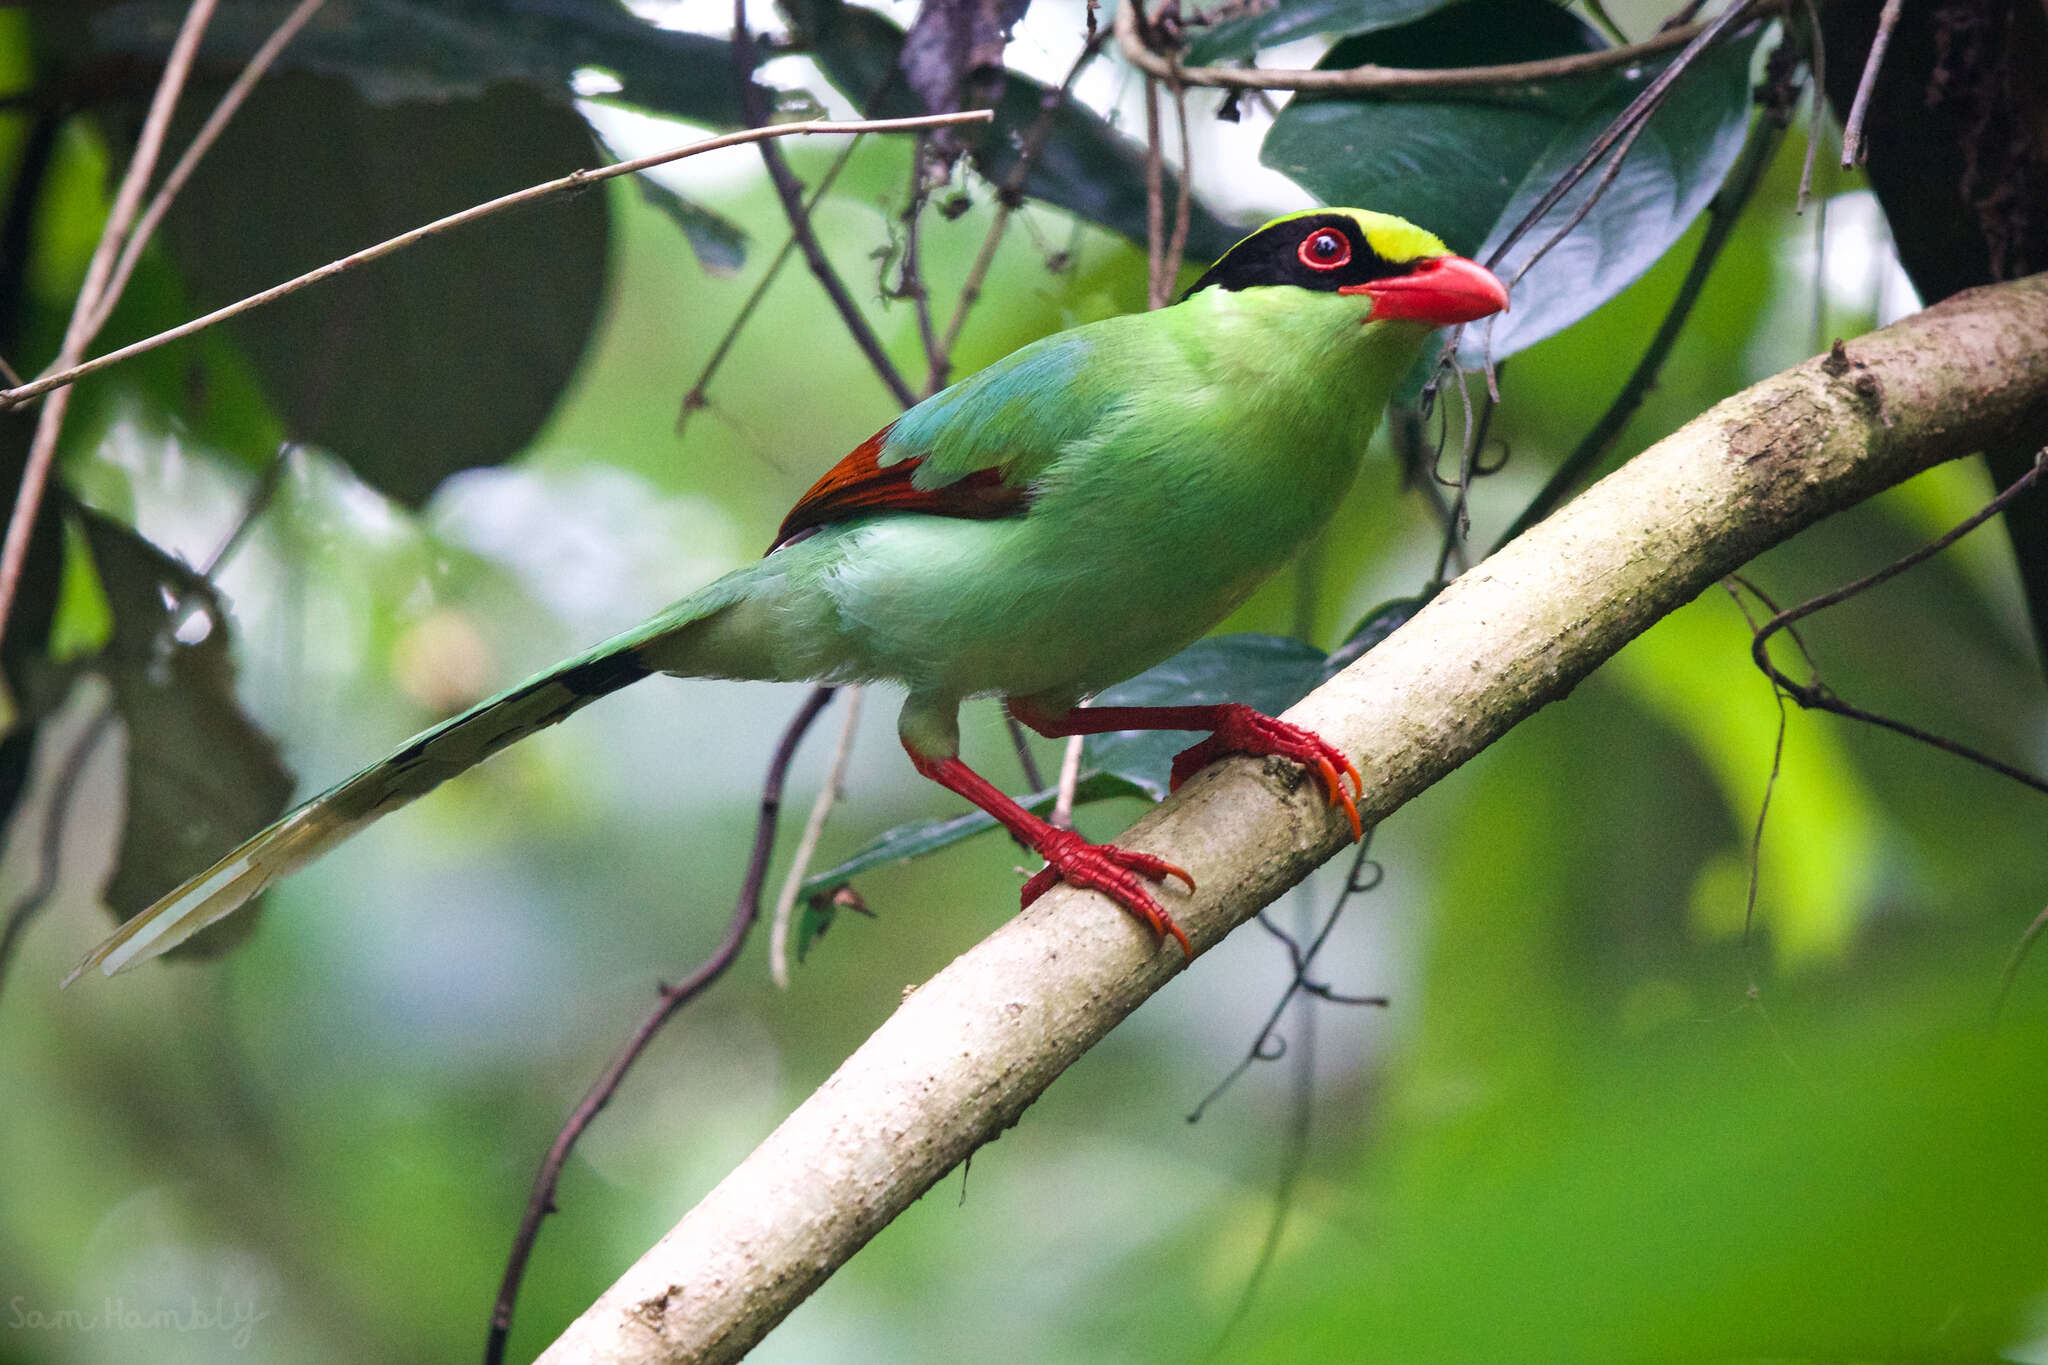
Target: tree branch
(575, 180)
(1394, 81)
(969, 1050)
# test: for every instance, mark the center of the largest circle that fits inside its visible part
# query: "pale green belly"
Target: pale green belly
(963, 608)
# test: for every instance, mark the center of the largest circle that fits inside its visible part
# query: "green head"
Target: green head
(1395, 270)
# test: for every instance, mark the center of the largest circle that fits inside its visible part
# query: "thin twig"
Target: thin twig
(746, 910)
(1365, 876)
(1722, 215)
(695, 398)
(1623, 130)
(575, 181)
(1025, 759)
(1817, 696)
(1852, 129)
(910, 278)
(807, 846)
(202, 142)
(56, 818)
(1158, 289)
(1763, 806)
(2013, 963)
(1062, 816)
(787, 189)
(1397, 82)
(1183, 203)
(1816, 117)
(78, 333)
(1008, 195)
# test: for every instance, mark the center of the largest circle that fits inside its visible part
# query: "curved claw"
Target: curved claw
(1245, 731)
(1114, 872)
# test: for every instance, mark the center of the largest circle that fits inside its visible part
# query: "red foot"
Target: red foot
(1242, 730)
(1106, 868)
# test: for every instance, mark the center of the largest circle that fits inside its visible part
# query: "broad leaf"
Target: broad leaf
(201, 776)
(1667, 180)
(1468, 163)
(1449, 164)
(1084, 165)
(398, 50)
(443, 357)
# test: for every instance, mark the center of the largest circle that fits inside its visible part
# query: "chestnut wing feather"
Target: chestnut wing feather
(860, 483)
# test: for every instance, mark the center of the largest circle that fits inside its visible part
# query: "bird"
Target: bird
(1062, 520)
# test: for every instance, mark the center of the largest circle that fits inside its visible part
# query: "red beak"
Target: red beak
(1440, 292)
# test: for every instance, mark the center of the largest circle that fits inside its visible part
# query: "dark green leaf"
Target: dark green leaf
(201, 776)
(1266, 672)
(398, 50)
(1469, 164)
(1291, 19)
(443, 357)
(1671, 174)
(1448, 164)
(1085, 166)
(919, 837)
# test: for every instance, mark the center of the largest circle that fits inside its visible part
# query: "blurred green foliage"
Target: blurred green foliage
(1602, 1120)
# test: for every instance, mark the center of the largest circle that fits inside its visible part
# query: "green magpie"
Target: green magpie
(1066, 518)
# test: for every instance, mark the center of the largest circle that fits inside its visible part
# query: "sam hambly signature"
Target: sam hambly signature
(234, 1319)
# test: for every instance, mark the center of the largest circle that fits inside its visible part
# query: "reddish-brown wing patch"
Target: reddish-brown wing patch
(860, 484)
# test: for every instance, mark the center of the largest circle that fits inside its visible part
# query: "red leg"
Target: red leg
(1113, 871)
(1233, 729)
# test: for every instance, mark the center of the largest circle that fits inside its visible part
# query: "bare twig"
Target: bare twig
(78, 333)
(1627, 125)
(1731, 584)
(787, 189)
(56, 817)
(1158, 288)
(1852, 127)
(2013, 963)
(814, 825)
(910, 278)
(1008, 195)
(1816, 118)
(1062, 816)
(575, 181)
(1025, 760)
(1722, 214)
(1365, 875)
(202, 142)
(1396, 82)
(746, 910)
(695, 398)
(1183, 203)
(1816, 695)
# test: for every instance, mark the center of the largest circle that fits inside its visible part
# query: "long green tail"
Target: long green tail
(420, 766)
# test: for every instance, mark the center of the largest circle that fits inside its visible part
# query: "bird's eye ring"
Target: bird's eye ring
(1325, 249)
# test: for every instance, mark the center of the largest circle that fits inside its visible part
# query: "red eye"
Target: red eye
(1325, 249)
